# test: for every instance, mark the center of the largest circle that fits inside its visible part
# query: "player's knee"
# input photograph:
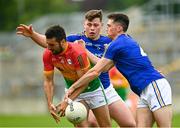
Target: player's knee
(92, 123)
(129, 123)
(132, 123)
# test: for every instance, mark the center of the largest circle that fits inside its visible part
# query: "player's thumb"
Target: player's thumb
(31, 28)
(53, 107)
(66, 97)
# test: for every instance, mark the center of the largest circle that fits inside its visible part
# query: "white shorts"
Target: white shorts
(93, 99)
(111, 95)
(156, 95)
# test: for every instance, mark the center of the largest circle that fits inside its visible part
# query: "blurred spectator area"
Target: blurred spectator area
(21, 69)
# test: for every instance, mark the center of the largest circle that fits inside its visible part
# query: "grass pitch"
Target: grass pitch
(36, 121)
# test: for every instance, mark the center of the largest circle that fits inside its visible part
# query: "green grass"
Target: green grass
(46, 121)
(176, 120)
(31, 121)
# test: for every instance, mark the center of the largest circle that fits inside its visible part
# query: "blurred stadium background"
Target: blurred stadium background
(154, 23)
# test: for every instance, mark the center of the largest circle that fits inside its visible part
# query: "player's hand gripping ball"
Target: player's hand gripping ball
(76, 112)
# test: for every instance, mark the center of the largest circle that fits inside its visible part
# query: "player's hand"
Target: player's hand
(25, 30)
(52, 110)
(55, 116)
(68, 93)
(81, 42)
(61, 108)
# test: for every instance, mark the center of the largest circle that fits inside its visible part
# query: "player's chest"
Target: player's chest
(63, 63)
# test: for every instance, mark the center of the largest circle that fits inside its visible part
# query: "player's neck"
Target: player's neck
(118, 34)
(65, 46)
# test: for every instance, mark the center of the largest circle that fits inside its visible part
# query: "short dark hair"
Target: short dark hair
(120, 18)
(57, 32)
(92, 14)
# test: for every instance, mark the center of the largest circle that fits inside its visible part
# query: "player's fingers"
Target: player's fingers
(57, 109)
(23, 30)
(56, 117)
(53, 107)
(30, 27)
(80, 41)
(19, 33)
(23, 25)
(66, 97)
(62, 113)
(19, 28)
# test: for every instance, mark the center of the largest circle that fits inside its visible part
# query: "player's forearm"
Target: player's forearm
(94, 59)
(77, 92)
(92, 73)
(39, 39)
(49, 91)
(85, 79)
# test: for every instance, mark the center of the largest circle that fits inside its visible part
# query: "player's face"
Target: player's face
(112, 29)
(54, 46)
(93, 28)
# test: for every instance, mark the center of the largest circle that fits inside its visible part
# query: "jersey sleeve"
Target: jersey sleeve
(47, 62)
(81, 62)
(80, 58)
(72, 38)
(110, 51)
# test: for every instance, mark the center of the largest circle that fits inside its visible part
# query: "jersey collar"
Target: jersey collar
(65, 49)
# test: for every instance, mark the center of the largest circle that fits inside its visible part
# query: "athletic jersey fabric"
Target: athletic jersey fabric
(132, 62)
(97, 47)
(72, 59)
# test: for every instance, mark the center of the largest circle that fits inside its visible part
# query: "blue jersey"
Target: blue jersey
(132, 62)
(97, 48)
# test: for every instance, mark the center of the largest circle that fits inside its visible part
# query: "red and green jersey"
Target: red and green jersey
(72, 59)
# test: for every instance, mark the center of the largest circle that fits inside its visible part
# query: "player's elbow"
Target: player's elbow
(48, 84)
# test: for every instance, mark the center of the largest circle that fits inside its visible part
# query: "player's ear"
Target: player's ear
(63, 41)
(120, 28)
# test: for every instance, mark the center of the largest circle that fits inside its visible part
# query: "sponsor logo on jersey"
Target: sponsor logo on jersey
(69, 61)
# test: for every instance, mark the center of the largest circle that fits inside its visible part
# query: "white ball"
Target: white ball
(76, 112)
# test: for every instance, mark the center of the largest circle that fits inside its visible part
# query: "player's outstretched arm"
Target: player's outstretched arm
(28, 31)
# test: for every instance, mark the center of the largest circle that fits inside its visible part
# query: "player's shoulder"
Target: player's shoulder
(47, 52)
(77, 48)
(73, 37)
(47, 55)
(105, 38)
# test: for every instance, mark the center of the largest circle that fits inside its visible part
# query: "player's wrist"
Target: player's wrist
(73, 88)
(49, 104)
(68, 100)
(33, 34)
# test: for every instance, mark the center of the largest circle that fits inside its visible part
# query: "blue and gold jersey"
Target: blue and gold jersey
(132, 62)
